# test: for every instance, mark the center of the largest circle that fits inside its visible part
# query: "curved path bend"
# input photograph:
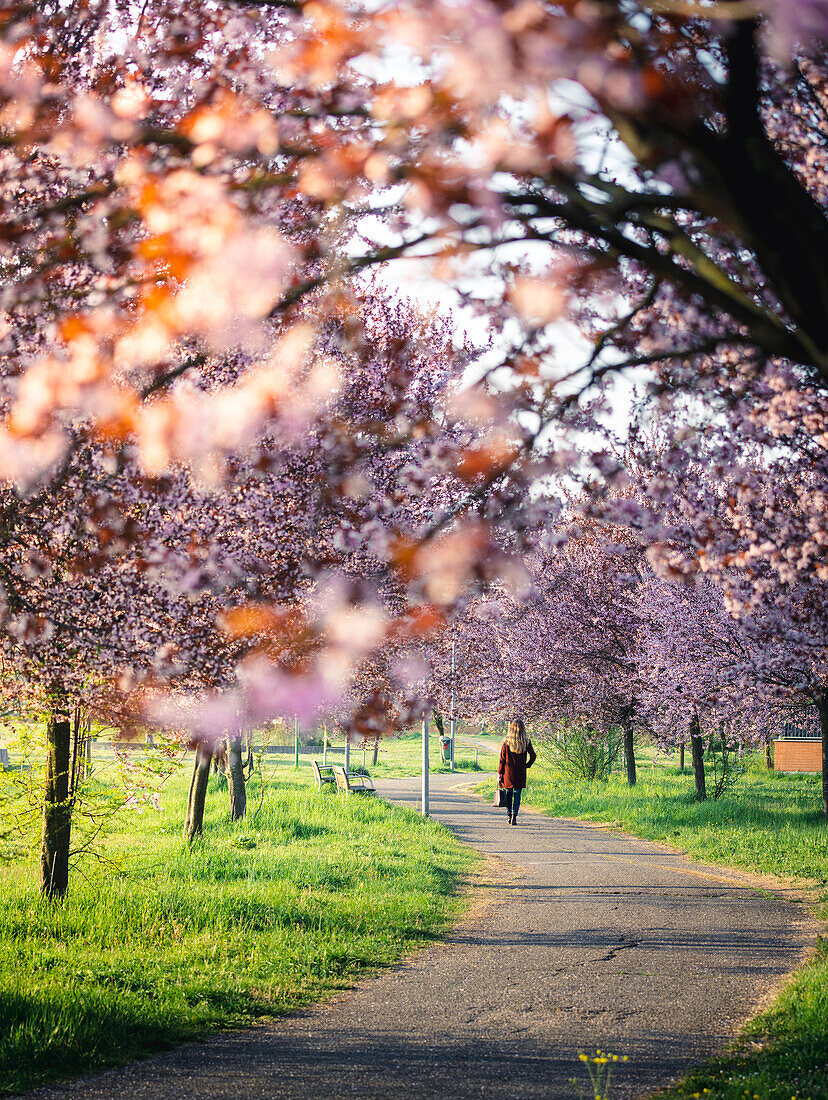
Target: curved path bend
(583, 940)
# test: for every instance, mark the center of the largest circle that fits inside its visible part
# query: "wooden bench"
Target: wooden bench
(322, 773)
(352, 782)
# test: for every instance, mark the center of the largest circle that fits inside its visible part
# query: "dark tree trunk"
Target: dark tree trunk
(769, 755)
(822, 707)
(194, 822)
(629, 752)
(681, 756)
(235, 779)
(75, 758)
(57, 809)
(376, 752)
(697, 756)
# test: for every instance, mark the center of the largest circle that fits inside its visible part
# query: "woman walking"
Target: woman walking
(516, 755)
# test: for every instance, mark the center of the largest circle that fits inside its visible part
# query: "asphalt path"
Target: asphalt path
(579, 939)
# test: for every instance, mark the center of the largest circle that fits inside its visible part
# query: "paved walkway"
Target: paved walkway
(583, 940)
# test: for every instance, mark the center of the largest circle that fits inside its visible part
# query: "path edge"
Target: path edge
(796, 892)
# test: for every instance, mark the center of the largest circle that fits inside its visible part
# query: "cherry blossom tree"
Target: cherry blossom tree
(145, 583)
(561, 645)
(189, 196)
(734, 516)
(695, 670)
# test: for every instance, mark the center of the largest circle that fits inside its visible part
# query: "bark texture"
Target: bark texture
(194, 821)
(697, 756)
(629, 753)
(57, 809)
(235, 779)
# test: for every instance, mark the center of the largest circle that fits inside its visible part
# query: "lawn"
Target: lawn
(398, 756)
(401, 756)
(306, 894)
(768, 823)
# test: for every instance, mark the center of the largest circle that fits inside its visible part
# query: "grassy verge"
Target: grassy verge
(768, 823)
(307, 893)
(397, 757)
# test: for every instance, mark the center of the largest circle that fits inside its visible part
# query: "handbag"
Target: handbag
(500, 796)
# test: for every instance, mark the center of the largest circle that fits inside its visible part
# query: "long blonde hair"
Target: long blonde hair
(516, 739)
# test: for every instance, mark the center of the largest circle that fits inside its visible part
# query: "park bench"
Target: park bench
(352, 782)
(322, 774)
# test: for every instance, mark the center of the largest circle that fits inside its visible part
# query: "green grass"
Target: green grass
(398, 756)
(259, 918)
(769, 823)
(401, 756)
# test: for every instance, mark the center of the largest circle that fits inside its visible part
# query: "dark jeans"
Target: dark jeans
(513, 799)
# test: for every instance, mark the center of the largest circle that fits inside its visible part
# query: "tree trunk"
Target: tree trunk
(629, 752)
(57, 809)
(194, 822)
(681, 756)
(376, 752)
(822, 707)
(235, 779)
(75, 757)
(769, 755)
(697, 755)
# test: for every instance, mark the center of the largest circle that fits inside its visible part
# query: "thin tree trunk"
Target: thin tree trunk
(697, 755)
(629, 752)
(194, 821)
(57, 809)
(75, 762)
(235, 778)
(822, 707)
(681, 756)
(769, 755)
(376, 752)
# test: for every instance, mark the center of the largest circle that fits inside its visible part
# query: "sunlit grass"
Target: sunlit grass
(256, 919)
(400, 756)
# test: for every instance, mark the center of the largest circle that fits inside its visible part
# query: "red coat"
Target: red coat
(513, 765)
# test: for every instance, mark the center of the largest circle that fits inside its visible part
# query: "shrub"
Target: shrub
(582, 753)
